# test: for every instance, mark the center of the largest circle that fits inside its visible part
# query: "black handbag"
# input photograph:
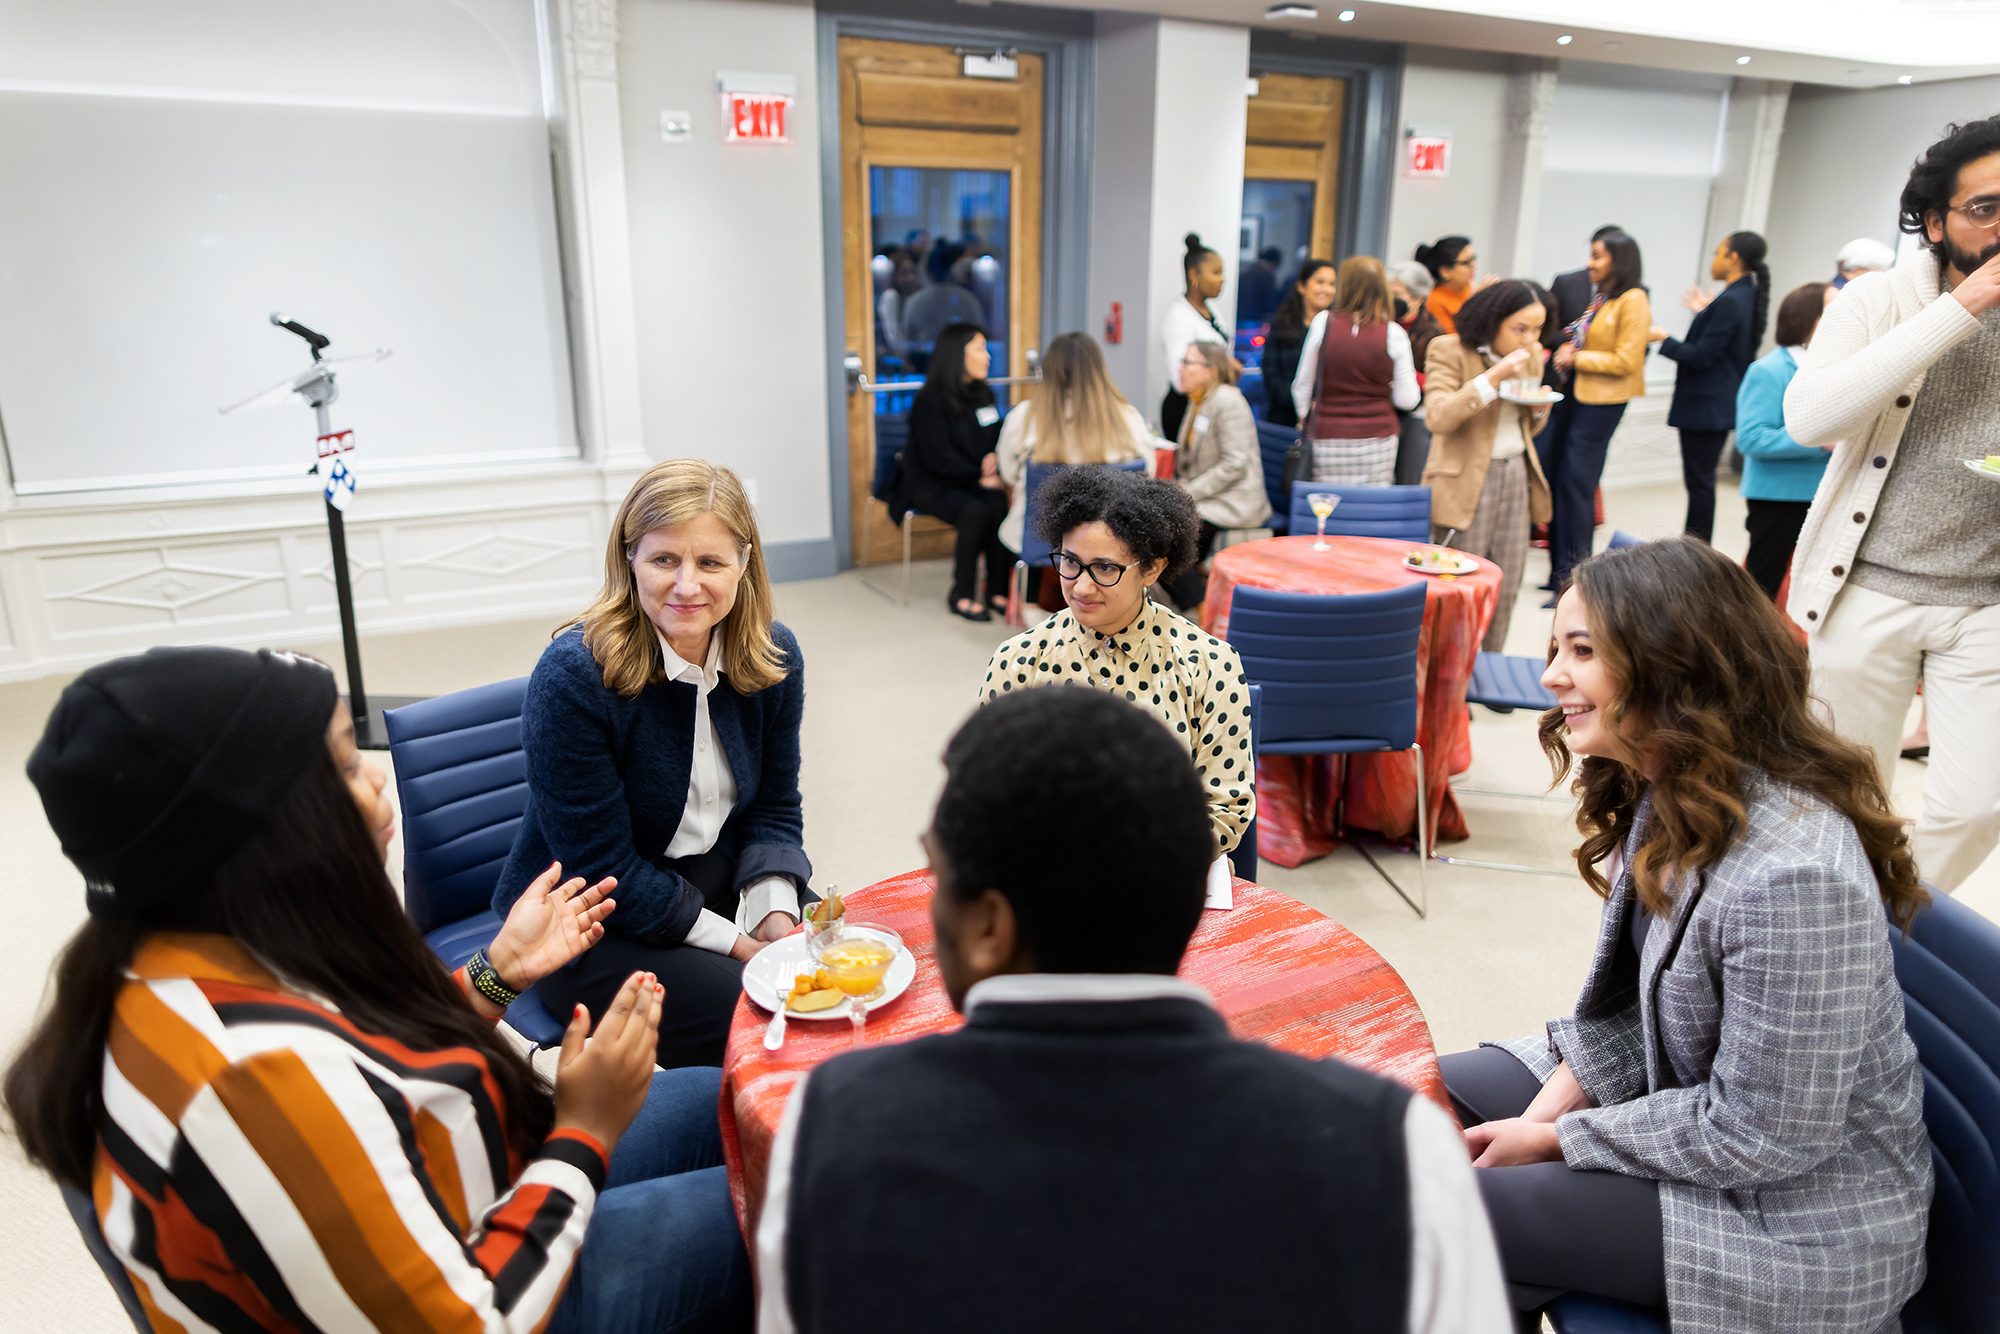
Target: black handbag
(1295, 464)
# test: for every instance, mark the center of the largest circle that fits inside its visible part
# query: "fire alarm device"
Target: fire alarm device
(1114, 324)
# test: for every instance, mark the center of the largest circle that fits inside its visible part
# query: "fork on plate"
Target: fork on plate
(774, 1032)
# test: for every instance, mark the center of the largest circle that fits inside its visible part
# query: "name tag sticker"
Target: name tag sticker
(1200, 424)
(987, 415)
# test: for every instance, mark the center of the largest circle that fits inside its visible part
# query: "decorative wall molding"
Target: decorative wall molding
(591, 37)
(1531, 98)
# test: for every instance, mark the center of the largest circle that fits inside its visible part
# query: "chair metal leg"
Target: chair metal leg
(906, 560)
(1503, 866)
(1470, 791)
(1421, 904)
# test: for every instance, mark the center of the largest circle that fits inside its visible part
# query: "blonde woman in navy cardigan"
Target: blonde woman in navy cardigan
(662, 737)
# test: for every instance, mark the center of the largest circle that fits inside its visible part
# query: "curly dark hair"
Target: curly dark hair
(1492, 306)
(1711, 682)
(1155, 519)
(1120, 893)
(1934, 176)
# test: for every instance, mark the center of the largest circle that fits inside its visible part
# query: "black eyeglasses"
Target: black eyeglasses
(1103, 573)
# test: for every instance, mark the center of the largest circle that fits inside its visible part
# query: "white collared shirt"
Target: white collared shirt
(1512, 435)
(711, 796)
(1455, 1283)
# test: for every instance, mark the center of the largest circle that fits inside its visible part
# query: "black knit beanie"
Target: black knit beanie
(154, 769)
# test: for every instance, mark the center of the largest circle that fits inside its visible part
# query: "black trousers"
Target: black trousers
(1190, 586)
(1572, 451)
(1172, 409)
(1700, 452)
(1559, 1230)
(1413, 449)
(1774, 532)
(701, 985)
(977, 513)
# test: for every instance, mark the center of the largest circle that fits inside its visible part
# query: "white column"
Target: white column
(1531, 94)
(599, 238)
(1753, 123)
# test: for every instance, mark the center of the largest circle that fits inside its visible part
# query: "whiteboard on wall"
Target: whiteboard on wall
(380, 172)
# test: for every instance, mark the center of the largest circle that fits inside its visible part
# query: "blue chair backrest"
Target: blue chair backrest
(892, 434)
(1949, 970)
(1620, 539)
(1273, 442)
(1034, 551)
(1401, 512)
(463, 782)
(1244, 860)
(83, 1209)
(1339, 667)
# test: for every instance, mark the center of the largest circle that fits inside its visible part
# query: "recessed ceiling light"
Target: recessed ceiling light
(1906, 78)
(1276, 12)
(1564, 40)
(1347, 16)
(1742, 60)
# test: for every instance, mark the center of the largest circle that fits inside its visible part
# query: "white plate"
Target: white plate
(1537, 397)
(1979, 466)
(760, 977)
(1466, 565)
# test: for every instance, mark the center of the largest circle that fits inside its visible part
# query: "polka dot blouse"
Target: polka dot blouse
(1165, 664)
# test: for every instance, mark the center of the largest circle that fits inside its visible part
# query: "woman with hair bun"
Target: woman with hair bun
(1730, 1125)
(1719, 347)
(1190, 320)
(1115, 535)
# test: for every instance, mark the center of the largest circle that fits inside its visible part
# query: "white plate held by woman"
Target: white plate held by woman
(782, 957)
(1530, 396)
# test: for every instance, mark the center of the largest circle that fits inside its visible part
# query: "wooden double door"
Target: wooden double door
(941, 203)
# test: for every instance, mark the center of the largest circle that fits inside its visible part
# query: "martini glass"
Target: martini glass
(859, 959)
(1322, 503)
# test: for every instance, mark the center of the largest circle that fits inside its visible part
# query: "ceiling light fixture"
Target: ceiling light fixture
(1906, 78)
(1742, 60)
(1278, 12)
(1564, 40)
(1347, 16)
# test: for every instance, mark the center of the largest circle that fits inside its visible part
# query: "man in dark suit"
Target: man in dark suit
(1093, 1150)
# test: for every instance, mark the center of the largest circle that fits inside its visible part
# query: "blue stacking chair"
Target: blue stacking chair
(1034, 551)
(1949, 969)
(1401, 512)
(1620, 539)
(1504, 684)
(892, 436)
(462, 779)
(1244, 860)
(1273, 443)
(1338, 676)
(83, 1209)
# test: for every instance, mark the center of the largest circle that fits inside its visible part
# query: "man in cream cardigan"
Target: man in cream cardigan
(1897, 572)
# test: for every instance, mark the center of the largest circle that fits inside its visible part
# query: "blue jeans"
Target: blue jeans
(1572, 452)
(663, 1251)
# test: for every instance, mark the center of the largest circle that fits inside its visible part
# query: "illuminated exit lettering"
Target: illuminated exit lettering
(755, 118)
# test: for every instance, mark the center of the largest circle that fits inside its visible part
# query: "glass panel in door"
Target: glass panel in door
(939, 238)
(1277, 239)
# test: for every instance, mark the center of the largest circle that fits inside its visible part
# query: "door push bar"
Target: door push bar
(859, 383)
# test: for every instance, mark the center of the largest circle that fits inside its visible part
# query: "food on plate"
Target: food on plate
(1435, 558)
(813, 991)
(828, 909)
(1993, 462)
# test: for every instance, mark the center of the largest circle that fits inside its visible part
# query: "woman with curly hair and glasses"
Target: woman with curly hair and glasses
(1116, 534)
(1731, 1123)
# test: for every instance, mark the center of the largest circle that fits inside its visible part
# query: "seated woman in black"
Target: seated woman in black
(662, 736)
(950, 471)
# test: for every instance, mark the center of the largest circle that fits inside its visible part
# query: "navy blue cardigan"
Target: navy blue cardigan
(608, 783)
(1719, 347)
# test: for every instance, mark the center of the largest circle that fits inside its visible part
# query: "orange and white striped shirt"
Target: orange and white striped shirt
(265, 1165)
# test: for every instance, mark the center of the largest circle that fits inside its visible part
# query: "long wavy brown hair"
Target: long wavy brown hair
(615, 627)
(1712, 683)
(1077, 413)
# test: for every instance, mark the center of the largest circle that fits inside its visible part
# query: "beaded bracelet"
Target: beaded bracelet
(479, 971)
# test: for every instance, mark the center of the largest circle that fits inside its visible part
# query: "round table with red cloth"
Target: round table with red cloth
(1281, 974)
(1295, 793)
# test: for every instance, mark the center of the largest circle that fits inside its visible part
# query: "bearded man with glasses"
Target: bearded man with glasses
(1897, 572)
(1115, 534)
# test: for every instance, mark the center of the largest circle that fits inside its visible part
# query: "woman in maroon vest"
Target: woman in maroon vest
(1354, 372)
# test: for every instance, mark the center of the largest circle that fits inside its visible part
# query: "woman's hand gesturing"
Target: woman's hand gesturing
(600, 1084)
(548, 926)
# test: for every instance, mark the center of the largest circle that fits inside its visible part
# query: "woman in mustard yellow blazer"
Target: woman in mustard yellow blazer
(1605, 360)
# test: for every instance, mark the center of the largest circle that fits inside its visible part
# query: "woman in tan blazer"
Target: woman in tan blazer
(1606, 360)
(1484, 477)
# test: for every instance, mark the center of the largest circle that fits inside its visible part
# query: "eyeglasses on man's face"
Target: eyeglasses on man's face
(1103, 573)
(1981, 213)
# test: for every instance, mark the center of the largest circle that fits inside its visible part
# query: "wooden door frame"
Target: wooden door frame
(1064, 43)
(1370, 133)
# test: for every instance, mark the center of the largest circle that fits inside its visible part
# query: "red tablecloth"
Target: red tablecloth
(1281, 973)
(1295, 792)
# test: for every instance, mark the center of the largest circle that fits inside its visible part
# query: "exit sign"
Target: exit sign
(755, 118)
(1427, 154)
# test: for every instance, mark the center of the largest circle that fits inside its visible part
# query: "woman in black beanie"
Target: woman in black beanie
(282, 1108)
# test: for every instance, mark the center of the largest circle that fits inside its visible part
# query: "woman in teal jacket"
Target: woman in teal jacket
(1779, 475)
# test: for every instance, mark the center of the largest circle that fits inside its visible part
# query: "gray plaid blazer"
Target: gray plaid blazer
(1753, 1062)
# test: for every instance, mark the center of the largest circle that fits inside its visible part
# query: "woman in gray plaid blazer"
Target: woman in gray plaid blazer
(1731, 1124)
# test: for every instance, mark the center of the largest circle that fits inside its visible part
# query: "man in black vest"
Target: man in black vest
(1093, 1151)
